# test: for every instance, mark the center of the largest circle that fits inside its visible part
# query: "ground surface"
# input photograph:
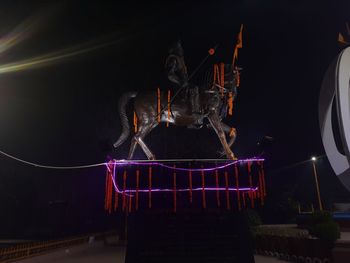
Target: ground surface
(100, 253)
(87, 253)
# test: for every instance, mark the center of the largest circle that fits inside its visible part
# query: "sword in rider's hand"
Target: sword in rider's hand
(190, 77)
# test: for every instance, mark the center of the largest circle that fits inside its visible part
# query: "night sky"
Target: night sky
(65, 112)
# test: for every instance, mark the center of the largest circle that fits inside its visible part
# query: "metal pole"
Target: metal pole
(317, 187)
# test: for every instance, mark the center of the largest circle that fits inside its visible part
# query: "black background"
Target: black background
(65, 112)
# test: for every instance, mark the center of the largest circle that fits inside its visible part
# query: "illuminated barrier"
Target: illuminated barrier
(130, 183)
(27, 250)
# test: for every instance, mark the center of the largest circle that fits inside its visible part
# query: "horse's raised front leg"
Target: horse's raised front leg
(230, 131)
(218, 128)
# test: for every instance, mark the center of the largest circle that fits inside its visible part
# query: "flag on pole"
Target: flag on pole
(239, 38)
(239, 44)
(342, 40)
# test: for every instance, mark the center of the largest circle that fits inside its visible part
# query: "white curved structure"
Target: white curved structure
(334, 115)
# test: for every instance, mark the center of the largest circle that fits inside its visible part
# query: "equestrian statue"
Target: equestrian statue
(189, 107)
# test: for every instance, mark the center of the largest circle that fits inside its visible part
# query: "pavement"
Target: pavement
(98, 252)
(101, 253)
(344, 236)
(87, 253)
(264, 259)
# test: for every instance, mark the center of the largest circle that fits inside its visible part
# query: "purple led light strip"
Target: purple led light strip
(128, 191)
(127, 162)
(194, 189)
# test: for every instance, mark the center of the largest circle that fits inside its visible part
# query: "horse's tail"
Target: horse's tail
(123, 101)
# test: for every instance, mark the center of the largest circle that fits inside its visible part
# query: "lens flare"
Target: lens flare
(54, 57)
(19, 33)
(26, 29)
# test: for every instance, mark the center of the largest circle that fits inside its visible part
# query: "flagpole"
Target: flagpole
(239, 44)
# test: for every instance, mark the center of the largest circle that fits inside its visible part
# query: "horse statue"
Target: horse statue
(213, 100)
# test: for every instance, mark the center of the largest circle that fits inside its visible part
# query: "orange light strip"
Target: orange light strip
(251, 194)
(135, 122)
(158, 104)
(106, 186)
(217, 187)
(222, 78)
(230, 103)
(204, 202)
(150, 187)
(174, 184)
(167, 123)
(130, 203)
(237, 189)
(228, 205)
(244, 203)
(124, 188)
(116, 201)
(137, 189)
(190, 184)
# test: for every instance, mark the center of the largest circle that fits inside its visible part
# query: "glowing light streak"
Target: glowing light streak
(132, 163)
(53, 57)
(20, 32)
(127, 162)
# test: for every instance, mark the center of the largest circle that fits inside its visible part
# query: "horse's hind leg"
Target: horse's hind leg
(144, 129)
(132, 148)
(145, 149)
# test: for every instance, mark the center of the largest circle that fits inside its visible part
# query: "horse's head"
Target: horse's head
(223, 78)
(231, 78)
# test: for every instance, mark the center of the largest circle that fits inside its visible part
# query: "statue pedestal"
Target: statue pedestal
(188, 237)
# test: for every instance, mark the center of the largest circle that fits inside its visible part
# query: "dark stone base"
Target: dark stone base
(188, 237)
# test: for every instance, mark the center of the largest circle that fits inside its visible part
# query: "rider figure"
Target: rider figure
(177, 73)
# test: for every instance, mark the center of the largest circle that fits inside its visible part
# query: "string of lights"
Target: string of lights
(139, 162)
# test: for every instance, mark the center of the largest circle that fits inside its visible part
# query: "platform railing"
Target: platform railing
(23, 251)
